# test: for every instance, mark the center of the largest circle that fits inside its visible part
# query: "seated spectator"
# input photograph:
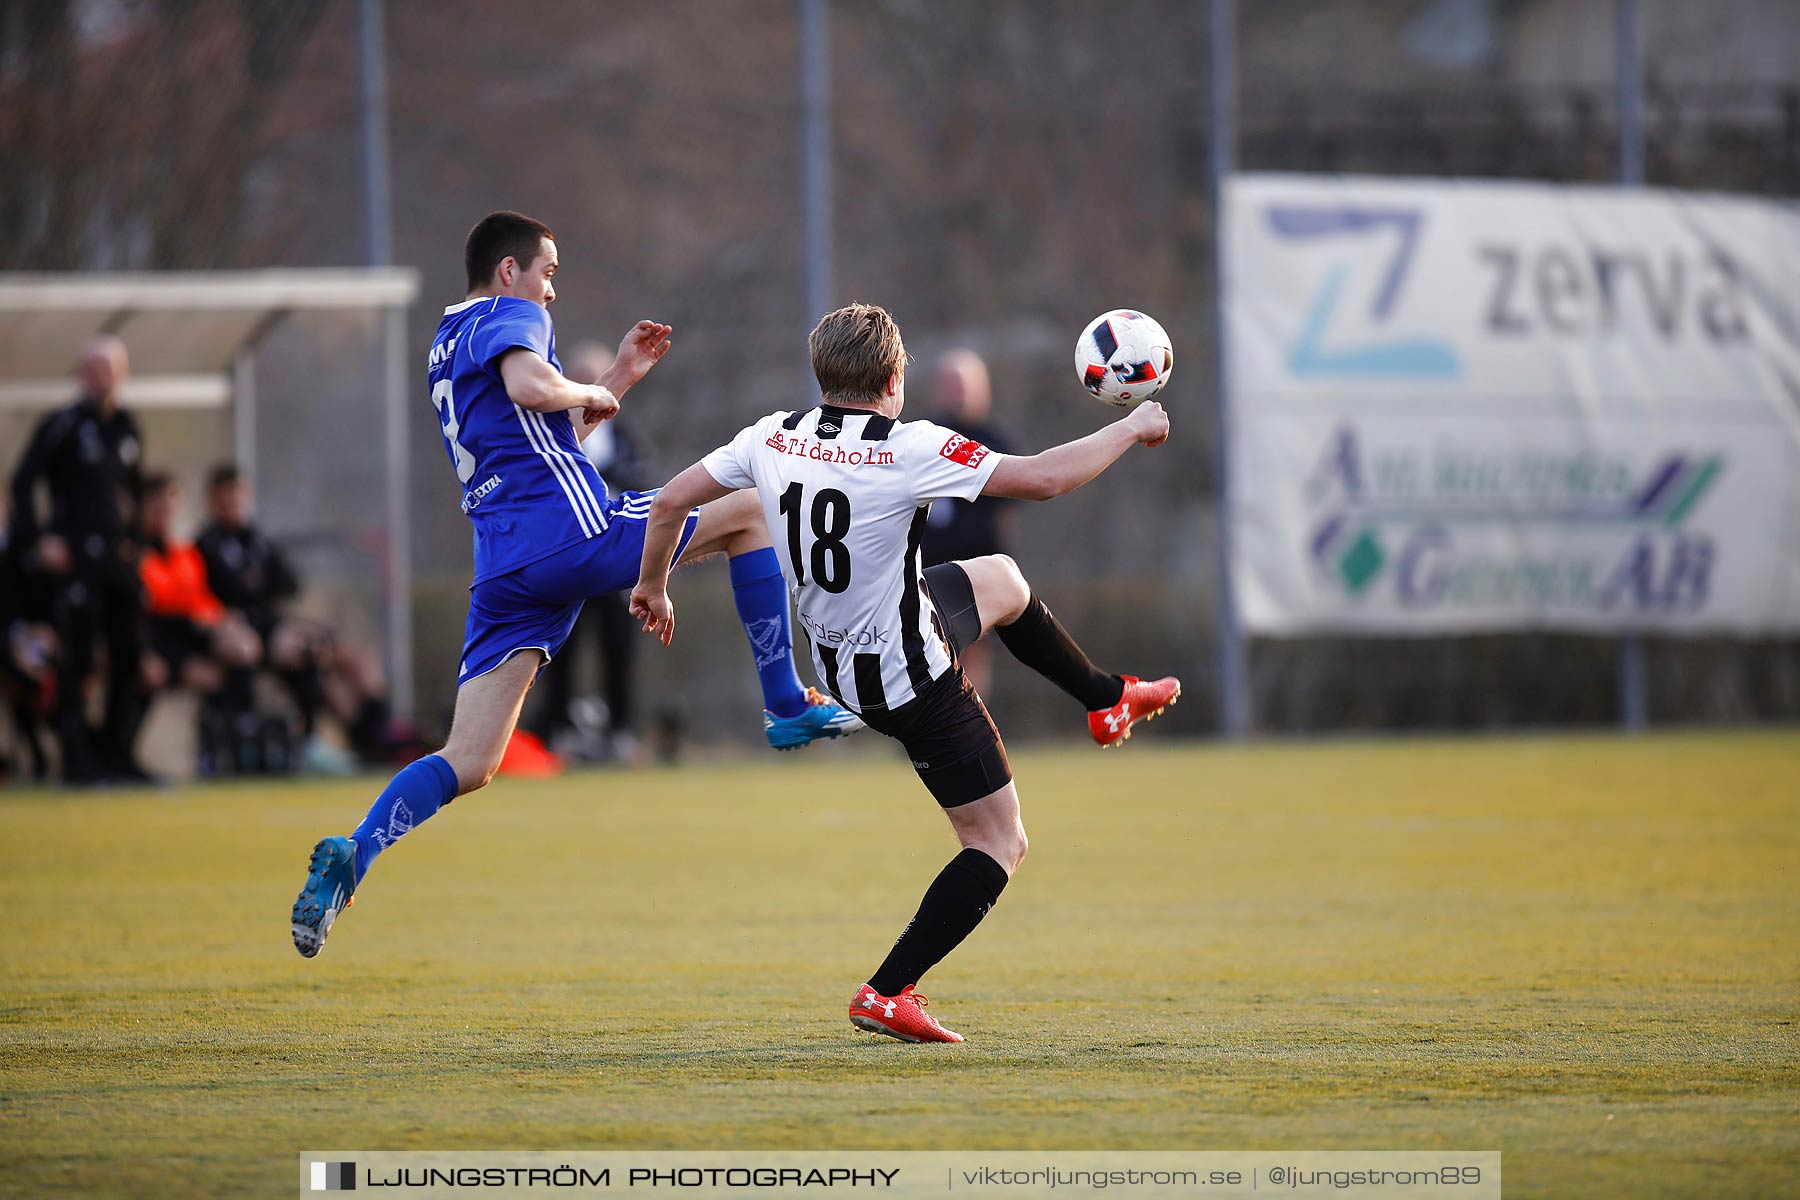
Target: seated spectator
(28, 660)
(250, 574)
(201, 645)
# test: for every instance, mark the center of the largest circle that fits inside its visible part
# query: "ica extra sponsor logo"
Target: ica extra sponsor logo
(959, 449)
(1416, 528)
(475, 495)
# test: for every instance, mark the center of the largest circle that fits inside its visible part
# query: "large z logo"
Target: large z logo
(1421, 358)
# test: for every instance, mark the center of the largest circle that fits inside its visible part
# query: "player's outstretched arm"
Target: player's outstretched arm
(1064, 468)
(662, 534)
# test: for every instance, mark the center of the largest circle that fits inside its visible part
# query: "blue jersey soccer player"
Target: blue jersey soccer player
(547, 537)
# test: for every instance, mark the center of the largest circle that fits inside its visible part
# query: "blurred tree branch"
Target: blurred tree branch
(131, 135)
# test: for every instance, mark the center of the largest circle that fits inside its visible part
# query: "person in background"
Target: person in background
(201, 645)
(962, 398)
(87, 458)
(605, 623)
(250, 574)
(28, 662)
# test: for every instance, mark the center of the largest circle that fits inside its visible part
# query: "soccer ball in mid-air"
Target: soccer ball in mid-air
(1123, 357)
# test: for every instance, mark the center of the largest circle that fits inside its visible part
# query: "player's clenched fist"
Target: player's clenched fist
(603, 406)
(653, 607)
(1150, 423)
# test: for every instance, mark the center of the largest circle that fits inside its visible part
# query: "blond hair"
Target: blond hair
(855, 351)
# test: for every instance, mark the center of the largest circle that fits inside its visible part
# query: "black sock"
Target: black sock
(953, 906)
(1038, 640)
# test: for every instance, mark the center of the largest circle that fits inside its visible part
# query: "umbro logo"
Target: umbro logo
(829, 427)
(887, 1007)
(1117, 721)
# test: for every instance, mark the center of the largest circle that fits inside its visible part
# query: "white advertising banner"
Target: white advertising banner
(1480, 406)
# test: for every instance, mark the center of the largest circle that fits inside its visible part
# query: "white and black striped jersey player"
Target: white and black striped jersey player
(845, 493)
(845, 488)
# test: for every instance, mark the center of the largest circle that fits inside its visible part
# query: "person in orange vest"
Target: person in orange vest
(201, 644)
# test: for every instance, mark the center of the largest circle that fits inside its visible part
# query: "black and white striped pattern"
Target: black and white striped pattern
(878, 640)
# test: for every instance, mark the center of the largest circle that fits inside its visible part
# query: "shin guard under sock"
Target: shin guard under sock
(954, 905)
(1038, 640)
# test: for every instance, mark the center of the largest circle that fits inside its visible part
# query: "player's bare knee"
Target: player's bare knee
(1007, 850)
(480, 779)
(1001, 590)
(1014, 848)
(473, 771)
(1005, 846)
(1018, 588)
(746, 530)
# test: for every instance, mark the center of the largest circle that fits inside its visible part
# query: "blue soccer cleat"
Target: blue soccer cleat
(822, 719)
(330, 878)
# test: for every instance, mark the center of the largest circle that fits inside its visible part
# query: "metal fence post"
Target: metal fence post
(1234, 709)
(815, 117)
(1634, 671)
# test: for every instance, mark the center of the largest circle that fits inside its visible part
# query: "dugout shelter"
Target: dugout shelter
(193, 337)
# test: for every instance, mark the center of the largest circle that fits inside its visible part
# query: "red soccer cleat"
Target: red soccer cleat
(902, 1017)
(1141, 702)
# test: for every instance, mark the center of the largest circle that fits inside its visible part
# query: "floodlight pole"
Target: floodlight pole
(1634, 670)
(378, 222)
(815, 103)
(1234, 711)
(379, 228)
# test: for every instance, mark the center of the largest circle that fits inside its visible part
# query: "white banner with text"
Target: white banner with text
(1461, 406)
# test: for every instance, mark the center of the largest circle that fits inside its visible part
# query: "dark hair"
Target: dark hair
(222, 474)
(156, 483)
(499, 236)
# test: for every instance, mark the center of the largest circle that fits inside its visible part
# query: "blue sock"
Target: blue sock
(762, 604)
(408, 801)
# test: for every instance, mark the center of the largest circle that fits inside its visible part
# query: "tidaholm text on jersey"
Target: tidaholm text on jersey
(807, 448)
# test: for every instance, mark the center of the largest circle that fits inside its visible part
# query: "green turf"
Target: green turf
(1584, 952)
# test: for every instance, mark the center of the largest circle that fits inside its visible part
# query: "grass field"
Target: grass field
(1582, 951)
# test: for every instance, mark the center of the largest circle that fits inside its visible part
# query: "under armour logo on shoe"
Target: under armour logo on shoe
(1116, 721)
(873, 1001)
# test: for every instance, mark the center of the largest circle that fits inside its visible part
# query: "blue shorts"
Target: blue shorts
(534, 607)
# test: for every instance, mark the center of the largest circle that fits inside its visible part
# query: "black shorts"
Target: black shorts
(178, 639)
(945, 728)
